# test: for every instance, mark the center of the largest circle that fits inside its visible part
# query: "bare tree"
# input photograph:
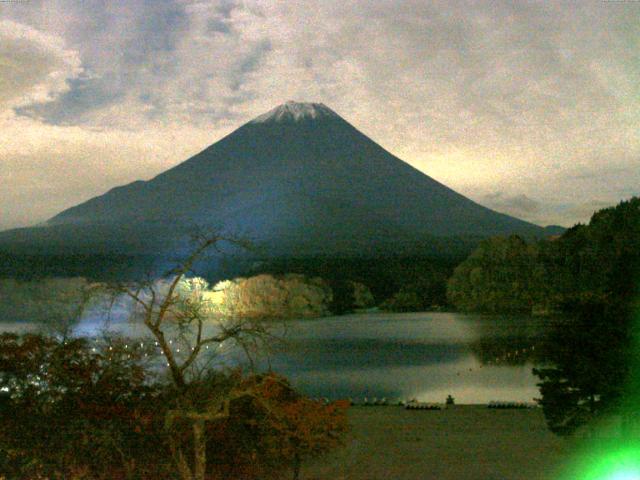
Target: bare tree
(175, 309)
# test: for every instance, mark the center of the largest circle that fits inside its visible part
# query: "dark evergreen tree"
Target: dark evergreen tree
(591, 275)
(587, 362)
(590, 366)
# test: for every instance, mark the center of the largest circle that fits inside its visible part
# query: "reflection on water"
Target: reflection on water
(397, 356)
(507, 341)
(421, 355)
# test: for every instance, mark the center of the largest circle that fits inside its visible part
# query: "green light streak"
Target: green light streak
(621, 464)
(625, 475)
(614, 458)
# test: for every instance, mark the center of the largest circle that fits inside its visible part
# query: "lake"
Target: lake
(426, 356)
(415, 355)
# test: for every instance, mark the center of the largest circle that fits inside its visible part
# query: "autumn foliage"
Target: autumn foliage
(280, 427)
(76, 409)
(68, 411)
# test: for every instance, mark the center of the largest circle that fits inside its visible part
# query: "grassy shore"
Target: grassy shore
(464, 442)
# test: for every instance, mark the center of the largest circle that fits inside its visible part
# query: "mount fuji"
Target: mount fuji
(299, 180)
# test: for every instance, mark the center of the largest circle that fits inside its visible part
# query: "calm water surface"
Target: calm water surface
(398, 356)
(402, 356)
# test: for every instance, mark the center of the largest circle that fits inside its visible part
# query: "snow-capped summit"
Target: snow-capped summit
(295, 111)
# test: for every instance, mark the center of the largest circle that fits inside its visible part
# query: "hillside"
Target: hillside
(298, 180)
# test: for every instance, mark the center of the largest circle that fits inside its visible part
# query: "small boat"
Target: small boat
(511, 405)
(415, 405)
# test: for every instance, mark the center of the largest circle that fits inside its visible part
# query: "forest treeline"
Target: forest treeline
(402, 283)
(588, 262)
(589, 278)
(502, 275)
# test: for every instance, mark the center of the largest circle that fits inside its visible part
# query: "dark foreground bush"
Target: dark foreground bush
(79, 409)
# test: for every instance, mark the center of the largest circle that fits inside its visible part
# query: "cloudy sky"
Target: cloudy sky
(530, 108)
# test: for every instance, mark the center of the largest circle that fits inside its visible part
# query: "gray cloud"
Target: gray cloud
(124, 45)
(34, 66)
(537, 99)
(518, 204)
(218, 26)
(84, 95)
(587, 209)
(545, 212)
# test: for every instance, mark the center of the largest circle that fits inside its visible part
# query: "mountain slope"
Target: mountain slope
(299, 179)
